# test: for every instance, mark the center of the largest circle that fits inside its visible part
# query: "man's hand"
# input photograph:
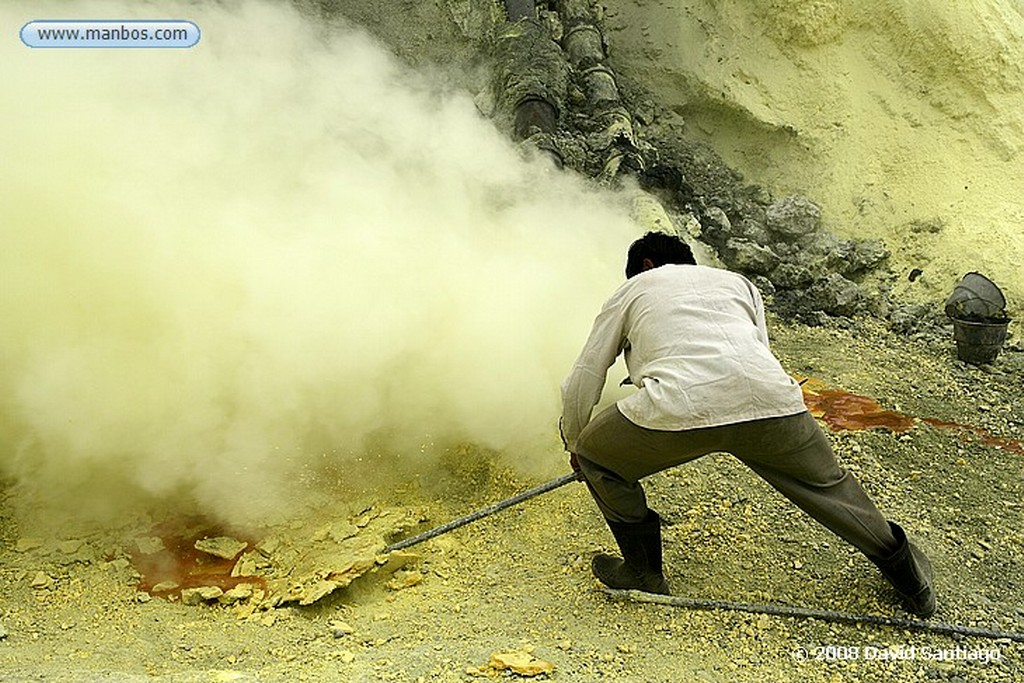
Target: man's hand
(573, 462)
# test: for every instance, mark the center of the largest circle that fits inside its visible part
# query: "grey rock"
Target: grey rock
(791, 276)
(851, 257)
(836, 295)
(717, 216)
(823, 243)
(748, 257)
(715, 225)
(814, 318)
(794, 216)
(754, 231)
(763, 284)
(918, 318)
(869, 254)
(790, 252)
(474, 18)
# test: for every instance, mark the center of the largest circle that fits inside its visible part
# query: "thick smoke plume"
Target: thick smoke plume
(227, 267)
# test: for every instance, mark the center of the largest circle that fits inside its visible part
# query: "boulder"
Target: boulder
(794, 217)
(748, 257)
(836, 295)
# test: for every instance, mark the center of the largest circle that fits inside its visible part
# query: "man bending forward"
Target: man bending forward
(696, 347)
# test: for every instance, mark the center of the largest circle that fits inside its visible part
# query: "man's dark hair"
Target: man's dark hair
(661, 249)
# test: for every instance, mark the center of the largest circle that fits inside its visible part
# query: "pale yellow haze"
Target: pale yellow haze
(232, 269)
(904, 119)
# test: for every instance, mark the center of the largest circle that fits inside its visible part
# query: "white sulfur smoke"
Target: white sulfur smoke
(222, 263)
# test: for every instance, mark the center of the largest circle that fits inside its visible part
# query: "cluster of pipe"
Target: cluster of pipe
(556, 92)
(535, 73)
(531, 83)
(584, 45)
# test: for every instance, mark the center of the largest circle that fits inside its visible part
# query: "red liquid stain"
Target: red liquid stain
(179, 565)
(842, 410)
(987, 437)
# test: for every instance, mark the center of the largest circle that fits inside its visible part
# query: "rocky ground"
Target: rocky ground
(72, 606)
(317, 599)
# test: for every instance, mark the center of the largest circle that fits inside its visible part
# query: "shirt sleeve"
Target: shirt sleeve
(581, 390)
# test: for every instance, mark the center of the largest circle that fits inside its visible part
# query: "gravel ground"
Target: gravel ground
(519, 581)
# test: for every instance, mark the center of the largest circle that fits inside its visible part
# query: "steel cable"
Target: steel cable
(713, 605)
(806, 613)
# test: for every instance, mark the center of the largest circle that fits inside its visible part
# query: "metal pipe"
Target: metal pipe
(534, 114)
(485, 512)
(584, 45)
(531, 80)
(601, 87)
(519, 9)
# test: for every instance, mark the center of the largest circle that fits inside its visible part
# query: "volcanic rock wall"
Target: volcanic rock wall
(903, 120)
(553, 88)
(901, 123)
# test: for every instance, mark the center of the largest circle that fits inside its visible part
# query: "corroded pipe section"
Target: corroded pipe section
(520, 9)
(599, 82)
(531, 83)
(584, 45)
(534, 115)
(536, 58)
(575, 11)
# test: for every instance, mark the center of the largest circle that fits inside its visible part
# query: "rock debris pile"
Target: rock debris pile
(300, 565)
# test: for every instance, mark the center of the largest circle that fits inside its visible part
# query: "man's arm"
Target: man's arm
(581, 390)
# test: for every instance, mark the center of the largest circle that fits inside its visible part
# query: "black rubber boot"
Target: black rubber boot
(640, 566)
(910, 573)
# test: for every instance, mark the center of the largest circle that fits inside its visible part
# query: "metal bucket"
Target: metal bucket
(976, 298)
(978, 342)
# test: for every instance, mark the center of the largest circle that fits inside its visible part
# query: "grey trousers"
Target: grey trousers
(791, 453)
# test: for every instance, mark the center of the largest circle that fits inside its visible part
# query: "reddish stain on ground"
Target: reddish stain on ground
(987, 437)
(181, 565)
(842, 410)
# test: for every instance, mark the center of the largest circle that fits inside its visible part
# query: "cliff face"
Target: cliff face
(905, 120)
